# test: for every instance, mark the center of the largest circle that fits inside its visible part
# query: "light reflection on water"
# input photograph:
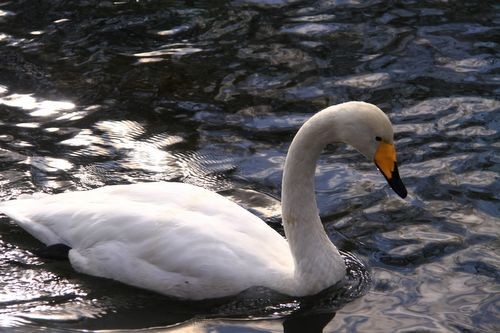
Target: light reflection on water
(211, 94)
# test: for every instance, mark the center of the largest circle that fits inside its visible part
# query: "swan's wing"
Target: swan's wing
(157, 236)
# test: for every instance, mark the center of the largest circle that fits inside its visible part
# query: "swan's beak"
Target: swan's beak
(385, 160)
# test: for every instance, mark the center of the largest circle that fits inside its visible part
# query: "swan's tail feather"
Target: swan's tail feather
(18, 210)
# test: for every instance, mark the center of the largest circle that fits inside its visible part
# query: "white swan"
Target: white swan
(187, 242)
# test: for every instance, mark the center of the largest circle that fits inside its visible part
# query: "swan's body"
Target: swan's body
(185, 241)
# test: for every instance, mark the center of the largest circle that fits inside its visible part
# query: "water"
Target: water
(99, 92)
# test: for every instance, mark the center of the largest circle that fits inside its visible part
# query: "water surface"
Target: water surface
(94, 93)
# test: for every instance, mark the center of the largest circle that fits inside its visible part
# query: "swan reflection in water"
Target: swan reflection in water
(312, 323)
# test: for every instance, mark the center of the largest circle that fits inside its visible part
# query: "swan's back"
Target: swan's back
(173, 238)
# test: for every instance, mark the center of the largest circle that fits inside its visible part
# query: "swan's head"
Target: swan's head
(366, 128)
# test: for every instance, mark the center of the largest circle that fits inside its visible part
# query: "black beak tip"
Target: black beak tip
(398, 187)
(397, 184)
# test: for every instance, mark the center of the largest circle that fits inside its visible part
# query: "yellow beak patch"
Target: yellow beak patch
(385, 159)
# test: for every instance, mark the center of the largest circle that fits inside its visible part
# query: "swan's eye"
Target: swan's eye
(378, 138)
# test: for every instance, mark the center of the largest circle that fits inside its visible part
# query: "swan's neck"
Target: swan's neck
(318, 263)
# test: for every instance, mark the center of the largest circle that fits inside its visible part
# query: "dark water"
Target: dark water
(211, 92)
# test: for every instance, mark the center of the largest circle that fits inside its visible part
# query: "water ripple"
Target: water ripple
(99, 92)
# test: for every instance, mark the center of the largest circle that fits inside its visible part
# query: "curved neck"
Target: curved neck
(317, 261)
(298, 197)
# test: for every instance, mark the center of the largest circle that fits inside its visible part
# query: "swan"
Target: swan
(187, 242)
